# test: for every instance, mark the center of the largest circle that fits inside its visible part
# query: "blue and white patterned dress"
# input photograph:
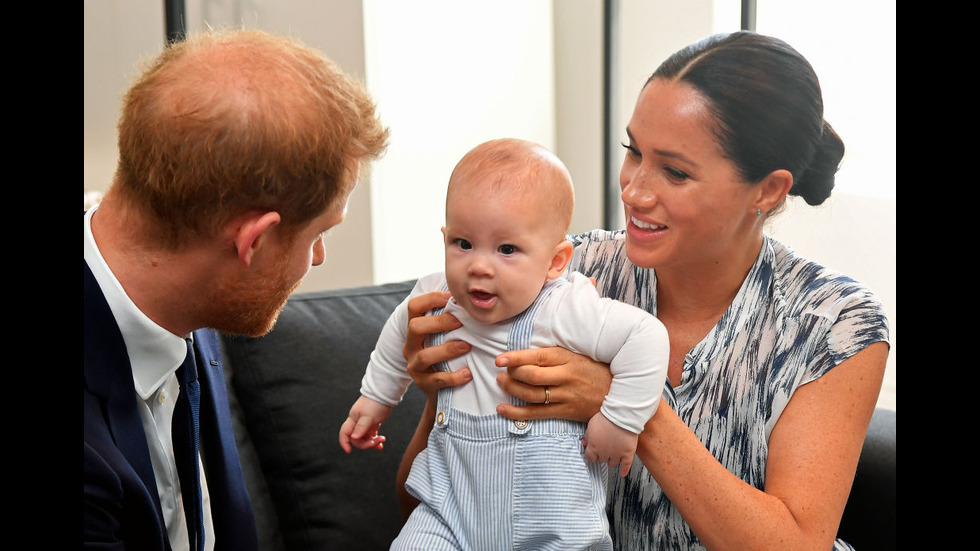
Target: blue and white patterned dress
(791, 322)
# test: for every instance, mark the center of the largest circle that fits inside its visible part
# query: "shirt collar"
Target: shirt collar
(154, 353)
(751, 297)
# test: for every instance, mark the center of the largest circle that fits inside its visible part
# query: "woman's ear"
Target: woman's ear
(773, 189)
(563, 255)
(252, 232)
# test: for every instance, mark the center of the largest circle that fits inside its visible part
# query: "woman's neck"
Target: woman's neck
(700, 292)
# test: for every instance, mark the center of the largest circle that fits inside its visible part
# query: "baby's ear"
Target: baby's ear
(563, 255)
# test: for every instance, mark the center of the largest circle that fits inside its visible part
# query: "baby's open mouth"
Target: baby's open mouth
(483, 299)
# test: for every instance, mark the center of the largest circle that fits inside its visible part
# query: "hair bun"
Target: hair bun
(816, 181)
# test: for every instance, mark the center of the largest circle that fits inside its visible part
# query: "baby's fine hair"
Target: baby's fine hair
(517, 166)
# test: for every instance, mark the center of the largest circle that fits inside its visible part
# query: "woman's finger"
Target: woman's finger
(421, 358)
(420, 325)
(540, 357)
(541, 411)
(422, 304)
(531, 393)
(576, 384)
(427, 357)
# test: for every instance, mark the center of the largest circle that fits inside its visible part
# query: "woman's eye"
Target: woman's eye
(630, 150)
(507, 249)
(464, 244)
(676, 174)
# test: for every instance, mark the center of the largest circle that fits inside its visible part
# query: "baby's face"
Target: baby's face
(499, 249)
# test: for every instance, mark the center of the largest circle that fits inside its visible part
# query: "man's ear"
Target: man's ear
(253, 230)
(563, 255)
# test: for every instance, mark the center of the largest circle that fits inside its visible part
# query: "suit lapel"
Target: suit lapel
(108, 376)
(231, 507)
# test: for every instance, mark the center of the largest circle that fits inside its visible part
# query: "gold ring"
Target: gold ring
(547, 395)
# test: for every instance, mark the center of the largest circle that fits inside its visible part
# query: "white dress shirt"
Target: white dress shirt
(155, 354)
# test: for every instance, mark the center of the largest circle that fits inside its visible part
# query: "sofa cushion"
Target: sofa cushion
(870, 517)
(295, 386)
(292, 389)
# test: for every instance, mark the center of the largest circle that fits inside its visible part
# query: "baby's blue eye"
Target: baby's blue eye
(507, 249)
(464, 244)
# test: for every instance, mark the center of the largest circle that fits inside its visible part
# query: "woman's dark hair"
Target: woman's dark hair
(768, 108)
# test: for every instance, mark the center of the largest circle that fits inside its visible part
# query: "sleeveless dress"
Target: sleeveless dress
(791, 322)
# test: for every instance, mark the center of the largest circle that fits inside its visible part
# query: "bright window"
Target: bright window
(851, 45)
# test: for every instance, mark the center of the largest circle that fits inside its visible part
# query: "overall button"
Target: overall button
(522, 424)
(440, 418)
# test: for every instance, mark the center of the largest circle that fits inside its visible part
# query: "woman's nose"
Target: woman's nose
(638, 188)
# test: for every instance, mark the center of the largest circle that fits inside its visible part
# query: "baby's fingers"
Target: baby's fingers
(364, 426)
(374, 441)
(344, 437)
(625, 464)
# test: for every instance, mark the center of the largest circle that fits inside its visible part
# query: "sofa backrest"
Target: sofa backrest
(294, 388)
(291, 389)
(869, 522)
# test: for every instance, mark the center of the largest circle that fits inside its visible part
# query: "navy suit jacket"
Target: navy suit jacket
(122, 506)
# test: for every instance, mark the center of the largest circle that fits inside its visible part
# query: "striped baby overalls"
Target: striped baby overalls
(489, 483)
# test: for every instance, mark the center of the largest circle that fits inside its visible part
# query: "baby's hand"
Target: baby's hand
(360, 430)
(361, 436)
(609, 443)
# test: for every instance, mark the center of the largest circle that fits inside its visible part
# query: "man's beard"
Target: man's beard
(251, 306)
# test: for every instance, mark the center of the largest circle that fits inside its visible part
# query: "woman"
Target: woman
(775, 362)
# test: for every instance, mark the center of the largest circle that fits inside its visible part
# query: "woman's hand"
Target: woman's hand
(573, 385)
(421, 358)
(420, 361)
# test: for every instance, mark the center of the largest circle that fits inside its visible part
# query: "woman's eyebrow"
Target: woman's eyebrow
(665, 152)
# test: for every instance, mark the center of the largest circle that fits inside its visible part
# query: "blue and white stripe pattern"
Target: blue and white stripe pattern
(523, 328)
(792, 321)
(489, 483)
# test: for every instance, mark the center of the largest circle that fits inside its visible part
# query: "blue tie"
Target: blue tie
(186, 435)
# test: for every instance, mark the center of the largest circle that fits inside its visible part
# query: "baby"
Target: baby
(485, 481)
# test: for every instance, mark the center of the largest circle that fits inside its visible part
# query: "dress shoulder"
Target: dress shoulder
(855, 315)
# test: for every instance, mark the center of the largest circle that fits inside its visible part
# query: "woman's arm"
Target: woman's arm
(813, 449)
(420, 362)
(813, 455)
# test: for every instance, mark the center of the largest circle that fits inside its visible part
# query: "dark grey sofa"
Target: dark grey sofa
(291, 390)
